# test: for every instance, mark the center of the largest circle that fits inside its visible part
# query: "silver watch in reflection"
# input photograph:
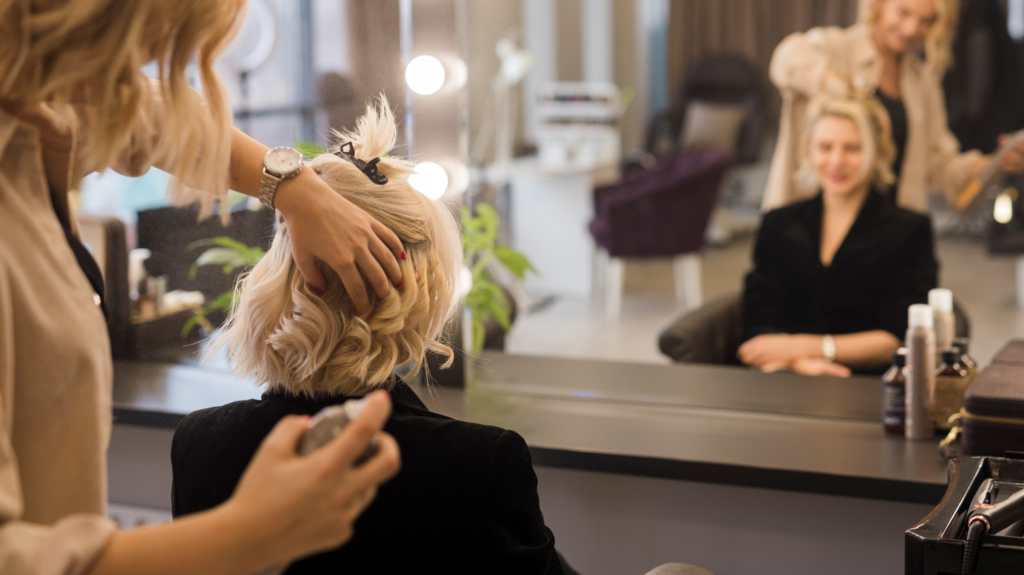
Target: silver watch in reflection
(279, 164)
(828, 348)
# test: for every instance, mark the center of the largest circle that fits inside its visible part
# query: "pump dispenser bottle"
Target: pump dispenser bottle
(920, 372)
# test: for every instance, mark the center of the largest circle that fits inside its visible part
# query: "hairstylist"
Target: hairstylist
(72, 100)
(899, 51)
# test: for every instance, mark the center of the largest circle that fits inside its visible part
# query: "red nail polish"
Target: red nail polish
(404, 256)
(318, 290)
(400, 284)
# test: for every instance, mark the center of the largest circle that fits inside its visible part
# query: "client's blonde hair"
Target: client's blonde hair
(877, 144)
(292, 338)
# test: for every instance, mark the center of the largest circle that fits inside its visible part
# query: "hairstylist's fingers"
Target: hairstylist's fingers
(390, 239)
(374, 273)
(284, 437)
(386, 259)
(354, 285)
(309, 270)
(343, 450)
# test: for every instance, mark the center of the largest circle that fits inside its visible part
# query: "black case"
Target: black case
(993, 418)
(935, 546)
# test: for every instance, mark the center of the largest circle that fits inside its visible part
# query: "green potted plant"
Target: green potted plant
(486, 301)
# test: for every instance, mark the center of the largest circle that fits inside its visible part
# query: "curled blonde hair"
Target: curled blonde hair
(878, 147)
(88, 53)
(294, 339)
(938, 45)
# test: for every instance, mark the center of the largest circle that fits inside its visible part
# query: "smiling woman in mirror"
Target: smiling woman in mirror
(898, 53)
(833, 275)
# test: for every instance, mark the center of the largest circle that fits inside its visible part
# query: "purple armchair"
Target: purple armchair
(660, 212)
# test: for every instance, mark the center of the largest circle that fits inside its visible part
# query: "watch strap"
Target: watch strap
(828, 348)
(268, 188)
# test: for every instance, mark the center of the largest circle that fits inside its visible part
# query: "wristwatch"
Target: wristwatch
(279, 164)
(828, 348)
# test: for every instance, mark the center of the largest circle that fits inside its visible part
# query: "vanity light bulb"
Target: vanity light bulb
(429, 179)
(424, 75)
(1003, 211)
(465, 281)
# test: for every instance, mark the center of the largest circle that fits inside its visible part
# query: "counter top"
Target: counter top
(713, 424)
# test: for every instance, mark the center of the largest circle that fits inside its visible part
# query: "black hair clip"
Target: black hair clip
(348, 152)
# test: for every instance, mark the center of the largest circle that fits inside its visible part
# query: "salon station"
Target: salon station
(746, 277)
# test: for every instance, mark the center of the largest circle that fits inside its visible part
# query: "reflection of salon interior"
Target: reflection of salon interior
(611, 158)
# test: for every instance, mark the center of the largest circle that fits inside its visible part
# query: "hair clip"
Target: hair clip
(347, 152)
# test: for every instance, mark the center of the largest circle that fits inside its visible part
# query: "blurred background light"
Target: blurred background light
(1003, 211)
(425, 75)
(430, 180)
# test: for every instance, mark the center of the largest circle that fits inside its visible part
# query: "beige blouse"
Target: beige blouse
(55, 374)
(932, 159)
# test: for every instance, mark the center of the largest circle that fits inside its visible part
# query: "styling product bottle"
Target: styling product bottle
(941, 302)
(950, 383)
(920, 372)
(962, 344)
(894, 393)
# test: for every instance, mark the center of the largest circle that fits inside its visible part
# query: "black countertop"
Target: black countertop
(697, 423)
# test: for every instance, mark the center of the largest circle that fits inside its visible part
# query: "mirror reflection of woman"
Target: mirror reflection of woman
(834, 275)
(899, 52)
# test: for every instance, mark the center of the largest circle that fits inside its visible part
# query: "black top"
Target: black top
(898, 118)
(885, 264)
(465, 500)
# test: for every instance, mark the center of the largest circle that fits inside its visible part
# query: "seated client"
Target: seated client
(466, 498)
(833, 276)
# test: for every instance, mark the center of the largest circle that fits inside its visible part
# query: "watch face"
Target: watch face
(282, 161)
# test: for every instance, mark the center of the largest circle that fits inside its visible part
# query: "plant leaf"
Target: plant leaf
(222, 256)
(478, 336)
(222, 241)
(488, 225)
(516, 262)
(310, 150)
(225, 301)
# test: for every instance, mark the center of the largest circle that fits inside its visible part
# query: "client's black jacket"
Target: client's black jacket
(885, 264)
(465, 500)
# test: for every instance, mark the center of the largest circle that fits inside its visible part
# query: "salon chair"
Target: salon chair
(722, 80)
(660, 212)
(714, 332)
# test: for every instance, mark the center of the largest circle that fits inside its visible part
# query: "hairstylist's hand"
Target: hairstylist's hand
(1013, 160)
(292, 506)
(328, 227)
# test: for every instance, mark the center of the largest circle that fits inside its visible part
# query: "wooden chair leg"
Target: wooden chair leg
(687, 268)
(613, 286)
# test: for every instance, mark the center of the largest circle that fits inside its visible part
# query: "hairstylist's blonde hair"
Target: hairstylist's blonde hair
(938, 45)
(89, 53)
(876, 143)
(292, 338)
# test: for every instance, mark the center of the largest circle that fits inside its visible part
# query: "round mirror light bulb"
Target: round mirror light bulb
(465, 281)
(429, 179)
(424, 75)
(1003, 211)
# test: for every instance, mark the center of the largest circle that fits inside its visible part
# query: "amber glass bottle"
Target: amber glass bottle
(894, 393)
(948, 396)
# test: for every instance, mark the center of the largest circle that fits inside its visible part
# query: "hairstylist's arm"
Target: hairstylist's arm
(285, 507)
(325, 226)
